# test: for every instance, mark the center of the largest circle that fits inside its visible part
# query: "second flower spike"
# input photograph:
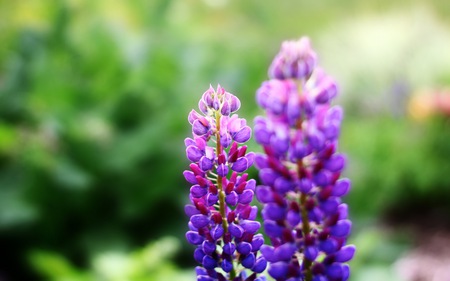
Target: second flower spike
(301, 190)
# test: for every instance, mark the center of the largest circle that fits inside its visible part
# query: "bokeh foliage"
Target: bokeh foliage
(93, 103)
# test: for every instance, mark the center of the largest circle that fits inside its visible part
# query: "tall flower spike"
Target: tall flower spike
(301, 192)
(222, 222)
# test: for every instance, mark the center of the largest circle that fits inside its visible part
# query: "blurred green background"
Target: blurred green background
(94, 97)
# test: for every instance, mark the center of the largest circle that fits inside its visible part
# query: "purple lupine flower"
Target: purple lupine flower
(222, 222)
(301, 192)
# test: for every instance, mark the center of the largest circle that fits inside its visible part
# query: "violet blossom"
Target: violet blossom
(301, 190)
(222, 222)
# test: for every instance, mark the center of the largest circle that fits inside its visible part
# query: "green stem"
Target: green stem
(303, 197)
(220, 188)
(305, 224)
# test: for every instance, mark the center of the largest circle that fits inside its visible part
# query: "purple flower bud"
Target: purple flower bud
(199, 255)
(342, 228)
(232, 198)
(268, 176)
(311, 253)
(322, 178)
(205, 164)
(248, 261)
(335, 163)
(283, 185)
(226, 109)
(199, 221)
(209, 262)
(261, 161)
(244, 248)
(343, 211)
(345, 254)
(194, 238)
(293, 218)
(326, 91)
(285, 252)
(193, 153)
(260, 265)
(251, 185)
(243, 135)
(240, 165)
(193, 115)
(264, 194)
(341, 187)
(226, 265)
(190, 210)
(272, 229)
(198, 191)
(200, 127)
(235, 230)
(190, 177)
(269, 253)
(274, 212)
(278, 270)
(250, 226)
(212, 199)
(217, 232)
(229, 248)
(208, 247)
(262, 135)
(257, 242)
(335, 271)
(225, 139)
(305, 185)
(246, 197)
(222, 170)
(328, 246)
(235, 104)
(330, 206)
